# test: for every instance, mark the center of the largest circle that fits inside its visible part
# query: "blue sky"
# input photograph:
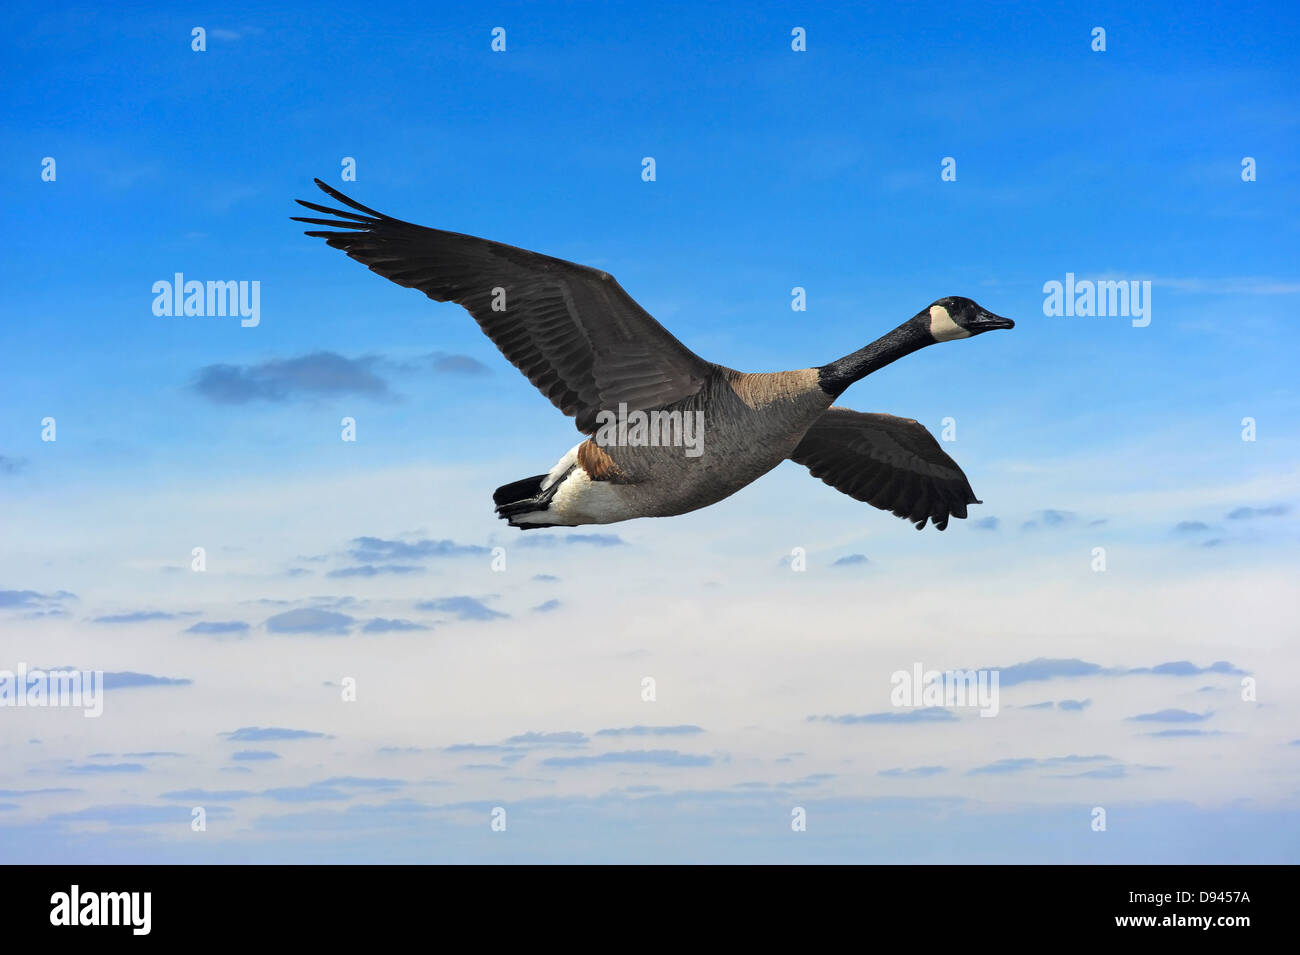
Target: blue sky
(774, 169)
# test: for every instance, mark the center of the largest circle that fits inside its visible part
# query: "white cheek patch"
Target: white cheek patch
(943, 328)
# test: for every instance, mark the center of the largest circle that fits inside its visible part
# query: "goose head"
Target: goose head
(954, 317)
(946, 320)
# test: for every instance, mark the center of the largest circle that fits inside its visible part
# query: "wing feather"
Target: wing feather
(891, 463)
(572, 330)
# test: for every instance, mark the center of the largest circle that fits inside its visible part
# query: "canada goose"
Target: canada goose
(596, 354)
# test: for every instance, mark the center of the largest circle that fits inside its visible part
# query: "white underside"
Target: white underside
(579, 499)
(566, 462)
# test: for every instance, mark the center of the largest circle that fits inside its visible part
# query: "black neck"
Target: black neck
(903, 340)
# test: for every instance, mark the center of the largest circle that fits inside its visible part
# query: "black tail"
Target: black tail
(525, 497)
(518, 491)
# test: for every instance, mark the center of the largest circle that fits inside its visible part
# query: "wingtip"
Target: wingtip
(347, 201)
(328, 189)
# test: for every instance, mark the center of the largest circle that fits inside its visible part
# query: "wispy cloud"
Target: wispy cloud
(682, 729)
(9, 465)
(136, 815)
(567, 738)
(218, 627)
(928, 714)
(647, 757)
(1004, 766)
(1186, 668)
(1171, 716)
(465, 608)
(569, 540)
(153, 754)
(313, 793)
(446, 364)
(1251, 513)
(1050, 518)
(208, 795)
(138, 616)
(249, 734)
(94, 769)
(1022, 764)
(916, 772)
(319, 374)
(1047, 668)
(309, 620)
(378, 550)
(1113, 771)
(1069, 705)
(1239, 285)
(363, 782)
(127, 679)
(371, 570)
(386, 625)
(35, 603)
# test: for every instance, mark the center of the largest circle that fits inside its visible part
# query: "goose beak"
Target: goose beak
(986, 321)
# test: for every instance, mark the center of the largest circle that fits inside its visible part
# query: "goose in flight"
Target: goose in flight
(604, 361)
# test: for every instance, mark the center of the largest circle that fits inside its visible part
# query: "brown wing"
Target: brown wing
(572, 330)
(890, 463)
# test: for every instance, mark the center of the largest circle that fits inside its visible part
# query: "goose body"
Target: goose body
(598, 356)
(752, 424)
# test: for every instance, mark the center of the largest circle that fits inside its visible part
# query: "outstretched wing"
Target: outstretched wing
(572, 330)
(890, 463)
